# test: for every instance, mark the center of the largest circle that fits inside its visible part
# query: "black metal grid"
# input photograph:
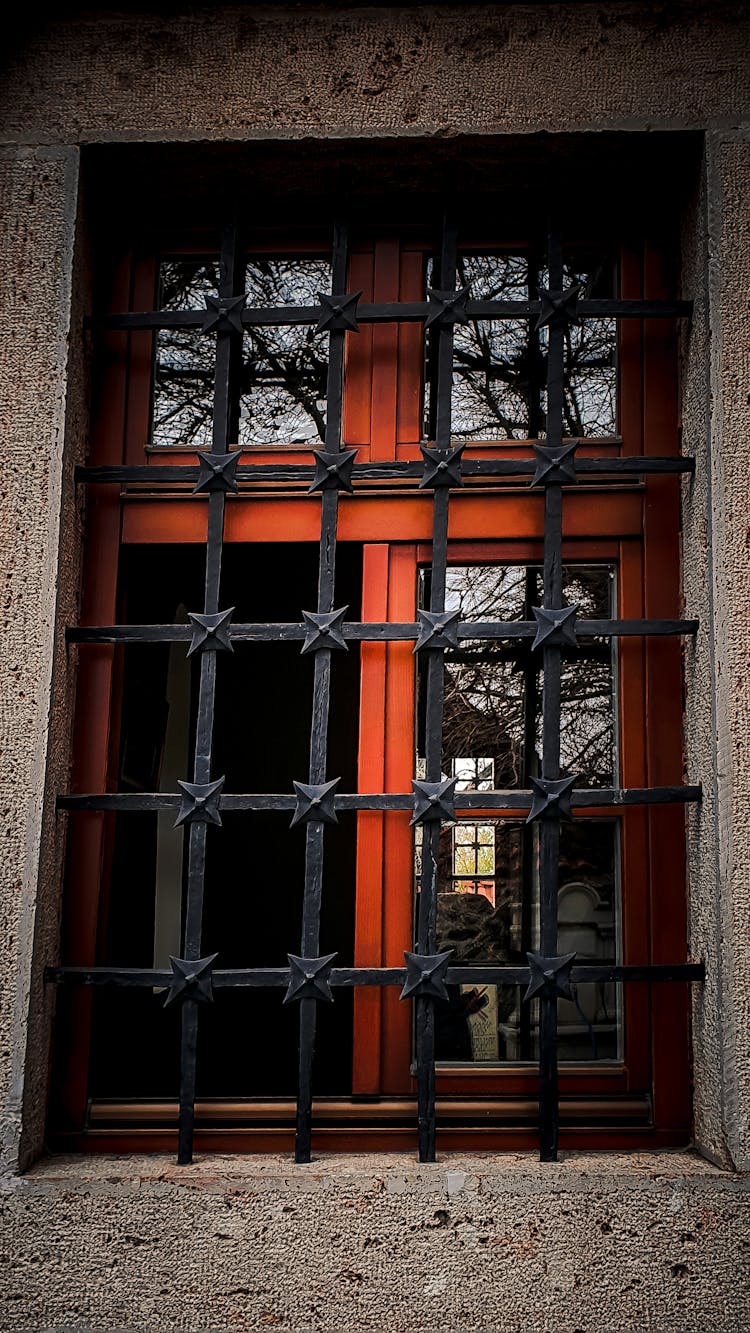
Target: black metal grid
(311, 977)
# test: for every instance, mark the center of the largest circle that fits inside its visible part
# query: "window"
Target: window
(379, 685)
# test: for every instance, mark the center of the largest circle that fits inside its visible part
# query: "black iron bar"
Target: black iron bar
(301, 473)
(315, 829)
(386, 312)
(348, 977)
(515, 799)
(551, 662)
(228, 352)
(375, 631)
(435, 689)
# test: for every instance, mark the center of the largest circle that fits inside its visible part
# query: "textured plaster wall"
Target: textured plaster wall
(39, 194)
(594, 1245)
(716, 535)
(477, 69)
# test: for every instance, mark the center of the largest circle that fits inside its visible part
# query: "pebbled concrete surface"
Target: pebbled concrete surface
(596, 1243)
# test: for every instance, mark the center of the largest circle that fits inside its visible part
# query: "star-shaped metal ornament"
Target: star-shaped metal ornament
(559, 308)
(338, 312)
(333, 470)
(200, 802)
(549, 976)
(425, 974)
(315, 802)
(550, 800)
(446, 308)
(433, 801)
(218, 472)
(439, 629)
(223, 313)
(324, 630)
(192, 979)
(211, 631)
(555, 464)
(441, 467)
(555, 627)
(309, 978)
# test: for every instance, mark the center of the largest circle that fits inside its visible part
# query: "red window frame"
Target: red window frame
(636, 525)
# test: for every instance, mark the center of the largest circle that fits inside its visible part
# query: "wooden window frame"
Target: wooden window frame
(636, 525)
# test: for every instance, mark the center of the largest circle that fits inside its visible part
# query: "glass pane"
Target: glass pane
(492, 714)
(500, 367)
(284, 370)
(493, 918)
(184, 359)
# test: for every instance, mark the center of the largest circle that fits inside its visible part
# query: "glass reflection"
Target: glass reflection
(500, 367)
(488, 899)
(492, 712)
(490, 916)
(184, 361)
(284, 369)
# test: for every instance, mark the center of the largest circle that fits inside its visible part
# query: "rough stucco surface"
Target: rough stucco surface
(729, 241)
(482, 69)
(36, 233)
(597, 1244)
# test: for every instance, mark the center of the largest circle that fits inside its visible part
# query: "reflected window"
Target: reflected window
(488, 912)
(284, 369)
(500, 368)
(184, 364)
(493, 688)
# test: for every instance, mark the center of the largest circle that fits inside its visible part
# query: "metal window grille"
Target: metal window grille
(316, 802)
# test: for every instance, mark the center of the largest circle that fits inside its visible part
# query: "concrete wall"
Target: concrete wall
(595, 1243)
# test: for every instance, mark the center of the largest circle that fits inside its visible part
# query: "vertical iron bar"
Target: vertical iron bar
(225, 406)
(550, 827)
(427, 912)
(314, 839)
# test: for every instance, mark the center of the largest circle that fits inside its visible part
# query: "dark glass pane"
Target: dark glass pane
(500, 366)
(488, 913)
(284, 370)
(184, 358)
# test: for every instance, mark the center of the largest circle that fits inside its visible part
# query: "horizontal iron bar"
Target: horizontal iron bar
(258, 977)
(130, 802)
(159, 473)
(373, 631)
(386, 312)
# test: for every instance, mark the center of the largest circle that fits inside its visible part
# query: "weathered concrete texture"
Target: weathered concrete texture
(704, 886)
(597, 1244)
(481, 69)
(729, 495)
(36, 245)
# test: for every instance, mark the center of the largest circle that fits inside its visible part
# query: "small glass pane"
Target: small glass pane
(492, 917)
(500, 366)
(284, 369)
(184, 358)
(492, 709)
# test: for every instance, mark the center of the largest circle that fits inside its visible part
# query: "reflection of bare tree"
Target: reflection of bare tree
(493, 690)
(499, 368)
(284, 370)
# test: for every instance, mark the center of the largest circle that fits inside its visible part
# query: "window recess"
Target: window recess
(293, 591)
